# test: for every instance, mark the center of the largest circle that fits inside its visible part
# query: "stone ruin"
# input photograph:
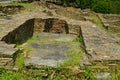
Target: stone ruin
(100, 46)
(6, 11)
(32, 27)
(111, 22)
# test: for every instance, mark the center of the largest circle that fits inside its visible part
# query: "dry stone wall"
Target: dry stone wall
(111, 22)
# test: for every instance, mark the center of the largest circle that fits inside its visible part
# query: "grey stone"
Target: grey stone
(39, 62)
(15, 68)
(49, 49)
(100, 45)
(7, 50)
(111, 22)
(47, 55)
(7, 54)
(104, 76)
(85, 63)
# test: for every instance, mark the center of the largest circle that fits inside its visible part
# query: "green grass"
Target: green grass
(11, 76)
(116, 75)
(88, 74)
(20, 60)
(52, 74)
(97, 21)
(18, 75)
(23, 53)
(75, 53)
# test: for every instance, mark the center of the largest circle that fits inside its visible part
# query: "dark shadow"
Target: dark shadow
(48, 25)
(20, 34)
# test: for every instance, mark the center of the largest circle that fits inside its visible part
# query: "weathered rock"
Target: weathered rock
(111, 22)
(104, 76)
(53, 25)
(7, 54)
(11, 9)
(6, 62)
(7, 50)
(70, 14)
(85, 63)
(99, 44)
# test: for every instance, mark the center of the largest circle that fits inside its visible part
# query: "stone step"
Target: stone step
(7, 55)
(7, 50)
(6, 62)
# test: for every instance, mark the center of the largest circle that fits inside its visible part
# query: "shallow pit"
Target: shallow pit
(49, 41)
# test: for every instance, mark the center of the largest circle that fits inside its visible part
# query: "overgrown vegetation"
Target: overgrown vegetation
(97, 21)
(60, 73)
(102, 6)
(54, 74)
(20, 60)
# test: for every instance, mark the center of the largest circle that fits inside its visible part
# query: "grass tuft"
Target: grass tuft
(20, 61)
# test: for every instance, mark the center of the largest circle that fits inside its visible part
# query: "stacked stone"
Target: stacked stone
(7, 54)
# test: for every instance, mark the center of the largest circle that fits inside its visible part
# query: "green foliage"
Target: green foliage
(85, 4)
(2, 70)
(97, 21)
(102, 6)
(115, 6)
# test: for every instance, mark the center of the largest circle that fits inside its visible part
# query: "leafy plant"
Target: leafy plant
(102, 6)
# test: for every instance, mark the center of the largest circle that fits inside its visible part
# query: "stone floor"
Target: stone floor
(49, 49)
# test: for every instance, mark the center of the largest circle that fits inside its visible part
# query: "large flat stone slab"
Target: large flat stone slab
(111, 22)
(7, 50)
(47, 55)
(49, 49)
(100, 45)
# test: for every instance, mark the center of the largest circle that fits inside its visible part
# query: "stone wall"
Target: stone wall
(111, 22)
(11, 9)
(52, 25)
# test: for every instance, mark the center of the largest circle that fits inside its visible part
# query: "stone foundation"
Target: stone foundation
(111, 22)
(27, 29)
